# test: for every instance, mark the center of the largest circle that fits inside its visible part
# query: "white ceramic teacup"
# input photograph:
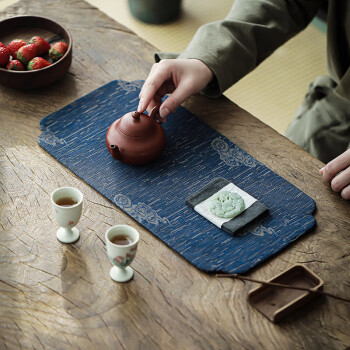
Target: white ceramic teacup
(121, 255)
(67, 216)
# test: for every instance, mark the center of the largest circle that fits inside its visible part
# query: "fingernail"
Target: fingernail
(140, 107)
(164, 112)
(321, 170)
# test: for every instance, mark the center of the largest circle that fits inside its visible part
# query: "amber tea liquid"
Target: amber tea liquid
(121, 240)
(66, 202)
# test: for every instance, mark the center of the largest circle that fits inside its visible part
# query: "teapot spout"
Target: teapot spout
(115, 152)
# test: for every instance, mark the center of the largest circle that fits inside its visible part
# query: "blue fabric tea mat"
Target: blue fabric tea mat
(155, 194)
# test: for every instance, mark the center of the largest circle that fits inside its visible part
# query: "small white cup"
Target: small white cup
(121, 256)
(67, 217)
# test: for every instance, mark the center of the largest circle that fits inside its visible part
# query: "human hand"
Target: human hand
(337, 173)
(181, 77)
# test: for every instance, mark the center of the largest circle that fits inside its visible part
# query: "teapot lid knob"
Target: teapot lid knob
(135, 115)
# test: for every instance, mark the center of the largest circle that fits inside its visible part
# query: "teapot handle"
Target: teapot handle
(156, 116)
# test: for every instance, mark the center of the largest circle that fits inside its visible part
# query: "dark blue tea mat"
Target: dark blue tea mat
(154, 194)
(200, 202)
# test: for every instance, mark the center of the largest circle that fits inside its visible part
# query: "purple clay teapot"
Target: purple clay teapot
(136, 138)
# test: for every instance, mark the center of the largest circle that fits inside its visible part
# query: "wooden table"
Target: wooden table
(60, 296)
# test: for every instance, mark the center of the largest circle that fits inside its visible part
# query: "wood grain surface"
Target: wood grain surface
(56, 296)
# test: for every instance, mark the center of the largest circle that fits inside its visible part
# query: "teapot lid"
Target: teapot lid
(136, 124)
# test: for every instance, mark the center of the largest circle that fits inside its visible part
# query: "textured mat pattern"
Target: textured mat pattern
(154, 195)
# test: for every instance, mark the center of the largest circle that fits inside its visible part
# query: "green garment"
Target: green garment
(322, 122)
(253, 30)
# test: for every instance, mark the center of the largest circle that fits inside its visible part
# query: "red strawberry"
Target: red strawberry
(27, 53)
(14, 65)
(14, 46)
(58, 50)
(43, 45)
(4, 55)
(2, 44)
(37, 63)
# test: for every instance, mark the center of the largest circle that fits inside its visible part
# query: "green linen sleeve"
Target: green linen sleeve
(253, 29)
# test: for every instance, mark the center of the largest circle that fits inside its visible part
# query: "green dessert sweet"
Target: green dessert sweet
(226, 205)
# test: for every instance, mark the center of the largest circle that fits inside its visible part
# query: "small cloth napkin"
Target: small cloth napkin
(200, 202)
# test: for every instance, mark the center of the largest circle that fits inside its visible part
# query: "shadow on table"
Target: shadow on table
(88, 294)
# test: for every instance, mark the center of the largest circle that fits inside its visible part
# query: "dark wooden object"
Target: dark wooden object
(277, 303)
(25, 27)
(61, 296)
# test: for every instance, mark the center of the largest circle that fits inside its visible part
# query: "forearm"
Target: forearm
(233, 47)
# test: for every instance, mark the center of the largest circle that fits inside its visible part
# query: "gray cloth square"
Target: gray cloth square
(239, 222)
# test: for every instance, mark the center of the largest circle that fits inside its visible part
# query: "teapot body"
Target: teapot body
(136, 138)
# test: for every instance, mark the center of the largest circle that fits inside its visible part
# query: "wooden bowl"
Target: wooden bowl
(25, 27)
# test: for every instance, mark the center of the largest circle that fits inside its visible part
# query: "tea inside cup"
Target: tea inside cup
(121, 241)
(67, 196)
(67, 204)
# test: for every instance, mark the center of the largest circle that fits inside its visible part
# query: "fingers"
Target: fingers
(337, 173)
(345, 193)
(157, 99)
(149, 88)
(181, 77)
(180, 94)
(151, 105)
(156, 79)
(173, 101)
(341, 181)
(335, 166)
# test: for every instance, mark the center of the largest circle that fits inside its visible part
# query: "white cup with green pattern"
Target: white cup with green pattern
(121, 241)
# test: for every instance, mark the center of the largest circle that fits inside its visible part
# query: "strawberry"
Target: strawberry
(14, 65)
(14, 46)
(58, 50)
(43, 45)
(27, 53)
(2, 44)
(37, 63)
(4, 55)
